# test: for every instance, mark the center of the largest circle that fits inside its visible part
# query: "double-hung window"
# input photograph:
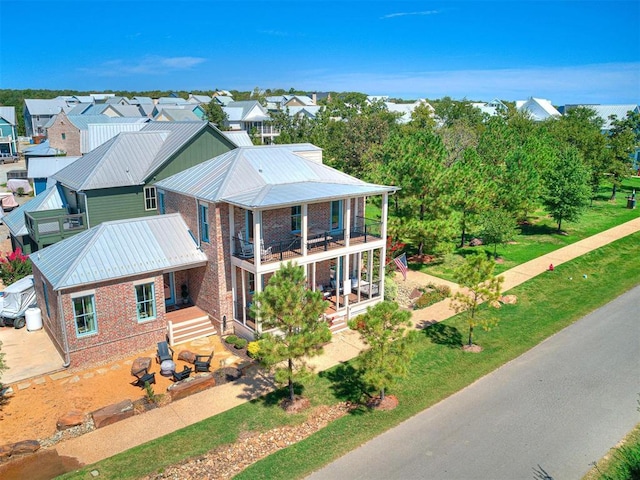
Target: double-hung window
(161, 207)
(204, 223)
(145, 302)
(150, 200)
(296, 219)
(84, 314)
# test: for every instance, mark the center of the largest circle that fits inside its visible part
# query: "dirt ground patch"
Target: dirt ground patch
(37, 404)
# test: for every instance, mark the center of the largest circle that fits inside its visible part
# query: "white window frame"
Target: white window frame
(152, 300)
(150, 198)
(82, 295)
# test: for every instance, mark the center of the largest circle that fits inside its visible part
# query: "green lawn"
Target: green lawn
(546, 304)
(541, 236)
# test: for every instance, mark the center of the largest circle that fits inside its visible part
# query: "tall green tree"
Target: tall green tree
(287, 305)
(415, 161)
(498, 227)
(383, 329)
(566, 187)
(622, 142)
(476, 274)
(216, 115)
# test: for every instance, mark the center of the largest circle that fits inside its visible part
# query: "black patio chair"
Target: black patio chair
(143, 377)
(177, 376)
(203, 363)
(165, 352)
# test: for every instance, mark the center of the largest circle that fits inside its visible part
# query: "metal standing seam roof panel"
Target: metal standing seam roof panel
(119, 249)
(9, 114)
(50, 199)
(257, 176)
(99, 133)
(45, 167)
(122, 161)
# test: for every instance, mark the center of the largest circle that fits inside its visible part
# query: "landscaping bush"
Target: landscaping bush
(253, 350)
(432, 294)
(240, 343)
(231, 339)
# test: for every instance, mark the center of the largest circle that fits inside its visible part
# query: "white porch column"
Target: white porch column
(257, 221)
(304, 227)
(243, 279)
(232, 232)
(347, 222)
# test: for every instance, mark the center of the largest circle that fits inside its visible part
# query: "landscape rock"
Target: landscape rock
(70, 419)
(140, 364)
(509, 299)
(475, 242)
(187, 356)
(26, 446)
(112, 413)
(5, 451)
(191, 385)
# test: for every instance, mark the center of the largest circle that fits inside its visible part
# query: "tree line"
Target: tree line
(462, 171)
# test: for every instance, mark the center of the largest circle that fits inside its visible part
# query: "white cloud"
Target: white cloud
(405, 14)
(149, 65)
(599, 83)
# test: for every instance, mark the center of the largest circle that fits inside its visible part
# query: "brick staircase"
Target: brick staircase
(188, 324)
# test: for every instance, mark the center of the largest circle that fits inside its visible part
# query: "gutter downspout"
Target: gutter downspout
(65, 342)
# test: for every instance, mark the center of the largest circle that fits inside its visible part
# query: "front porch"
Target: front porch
(187, 323)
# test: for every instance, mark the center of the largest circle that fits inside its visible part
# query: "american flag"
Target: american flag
(401, 263)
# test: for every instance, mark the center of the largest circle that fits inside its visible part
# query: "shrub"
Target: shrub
(253, 350)
(390, 289)
(432, 293)
(231, 339)
(240, 343)
(14, 266)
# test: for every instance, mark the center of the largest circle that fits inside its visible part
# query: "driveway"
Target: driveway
(546, 415)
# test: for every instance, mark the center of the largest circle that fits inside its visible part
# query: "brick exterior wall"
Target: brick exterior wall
(119, 333)
(71, 141)
(210, 287)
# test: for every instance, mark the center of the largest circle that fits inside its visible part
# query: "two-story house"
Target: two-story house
(116, 180)
(250, 116)
(228, 225)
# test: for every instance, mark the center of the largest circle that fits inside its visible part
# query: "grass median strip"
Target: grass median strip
(546, 304)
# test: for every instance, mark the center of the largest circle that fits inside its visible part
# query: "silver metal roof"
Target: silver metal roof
(266, 176)
(246, 111)
(47, 106)
(129, 158)
(120, 249)
(50, 199)
(240, 137)
(9, 114)
(177, 114)
(620, 111)
(99, 133)
(122, 161)
(44, 167)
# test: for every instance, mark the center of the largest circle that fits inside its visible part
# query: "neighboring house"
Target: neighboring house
(8, 132)
(69, 133)
(116, 180)
(280, 102)
(41, 169)
(108, 109)
(171, 101)
(256, 207)
(492, 108)
(223, 100)
(37, 113)
(40, 150)
(178, 113)
(405, 110)
(538, 109)
(199, 99)
(307, 112)
(250, 116)
(606, 112)
(103, 291)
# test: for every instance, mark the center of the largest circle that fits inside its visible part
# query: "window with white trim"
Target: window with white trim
(150, 198)
(84, 314)
(204, 223)
(145, 302)
(296, 219)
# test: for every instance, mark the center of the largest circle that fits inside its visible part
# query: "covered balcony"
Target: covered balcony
(287, 246)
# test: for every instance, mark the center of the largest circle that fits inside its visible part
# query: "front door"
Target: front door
(169, 289)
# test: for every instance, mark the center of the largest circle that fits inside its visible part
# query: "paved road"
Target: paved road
(546, 415)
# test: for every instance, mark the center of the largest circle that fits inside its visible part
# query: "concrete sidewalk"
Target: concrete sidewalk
(121, 436)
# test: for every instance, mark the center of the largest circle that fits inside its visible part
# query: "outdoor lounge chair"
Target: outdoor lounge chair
(177, 376)
(203, 363)
(143, 377)
(165, 352)
(246, 248)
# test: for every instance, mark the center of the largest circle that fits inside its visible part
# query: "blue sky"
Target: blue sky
(566, 51)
